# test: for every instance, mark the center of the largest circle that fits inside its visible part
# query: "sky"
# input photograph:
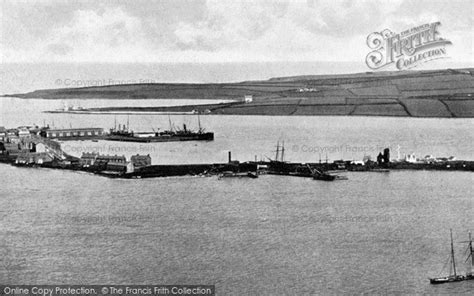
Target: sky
(170, 31)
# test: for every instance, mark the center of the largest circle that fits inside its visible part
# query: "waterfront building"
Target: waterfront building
(12, 149)
(105, 162)
(73, 132)
(24, 133)
(88, 159)
(411, 158)
(121, 167)
(110, 158)
(13, 138)
(429, 159)
(37, 147)
(33, 158)
(114, 163)
(3, 133)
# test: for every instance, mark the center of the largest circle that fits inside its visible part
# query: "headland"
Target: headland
(429, 93)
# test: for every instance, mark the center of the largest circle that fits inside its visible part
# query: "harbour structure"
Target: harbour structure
(251, 172)
(25, 132)
(39, 151)
(140, 166)
(72, 133)
(122, 133)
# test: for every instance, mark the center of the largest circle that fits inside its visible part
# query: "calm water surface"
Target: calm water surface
(373, 233)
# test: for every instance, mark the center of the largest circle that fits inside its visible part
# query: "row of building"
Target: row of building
(114, 163)
(72, 133)
(32, 145)
(40, 154)
(15, 135)
(411, 158)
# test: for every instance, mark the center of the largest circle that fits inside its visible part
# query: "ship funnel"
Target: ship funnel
(230, 156)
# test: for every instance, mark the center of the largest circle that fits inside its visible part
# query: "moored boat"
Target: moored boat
(454, 276)
(124, 134)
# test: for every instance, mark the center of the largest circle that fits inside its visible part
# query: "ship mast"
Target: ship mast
(282, 150)
(199, 123)
(277, 151)
(470, 254)
(169, 120)
(470, 247)
(452, 253)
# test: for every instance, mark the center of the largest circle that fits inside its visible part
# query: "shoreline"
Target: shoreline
(237, 114)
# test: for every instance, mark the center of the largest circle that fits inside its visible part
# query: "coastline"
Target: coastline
(435, 93)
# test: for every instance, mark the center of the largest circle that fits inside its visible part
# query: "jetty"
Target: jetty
(122, 133)
(25, 147)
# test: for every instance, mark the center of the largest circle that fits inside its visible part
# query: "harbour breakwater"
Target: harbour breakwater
(26, 147)
(139, 166)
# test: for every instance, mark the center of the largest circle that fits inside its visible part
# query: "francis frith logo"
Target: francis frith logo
(407, 49)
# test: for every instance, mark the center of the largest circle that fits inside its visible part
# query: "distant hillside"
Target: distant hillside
(436, 93)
